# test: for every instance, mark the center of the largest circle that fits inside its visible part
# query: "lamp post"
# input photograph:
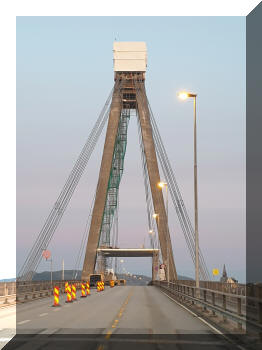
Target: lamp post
(161, 185)
(121, 262)
(63, 270)
(151, 234)
(156, 217)
(47, 254)
(184, 95)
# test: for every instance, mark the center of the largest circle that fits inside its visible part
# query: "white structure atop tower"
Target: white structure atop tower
(130, 56)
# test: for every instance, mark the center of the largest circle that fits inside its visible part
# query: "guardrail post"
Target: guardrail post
(5, 294)
(205, 299)
(213, 303)
(239, 306)
(260, 312)
(239, 324)
(224, 306)
(193, 294)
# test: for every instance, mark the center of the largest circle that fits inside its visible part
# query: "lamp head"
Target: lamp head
(183, 95)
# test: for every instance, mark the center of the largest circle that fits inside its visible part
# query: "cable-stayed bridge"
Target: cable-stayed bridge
(167, 306)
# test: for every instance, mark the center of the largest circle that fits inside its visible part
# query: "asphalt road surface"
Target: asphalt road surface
(131, 315)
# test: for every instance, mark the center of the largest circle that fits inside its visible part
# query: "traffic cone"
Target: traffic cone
(73, 292)
(83, 290)
(66, 286)
(56, 296)
(87, 289)
(68, 294)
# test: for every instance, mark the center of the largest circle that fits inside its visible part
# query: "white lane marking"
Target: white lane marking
(204, 321)
(44, 314)
(23, 322)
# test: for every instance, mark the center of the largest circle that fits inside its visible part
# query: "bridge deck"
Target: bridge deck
(129, 311)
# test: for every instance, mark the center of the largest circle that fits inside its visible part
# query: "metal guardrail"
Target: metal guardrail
(26, 291)
(7, 288)
(228, 305)
(231, 288)
(11, 292)
(7, 293)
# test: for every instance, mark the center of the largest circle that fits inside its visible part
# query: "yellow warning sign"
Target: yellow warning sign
(215, 272)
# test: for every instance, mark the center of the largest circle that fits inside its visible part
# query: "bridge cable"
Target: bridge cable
(174, 190)
(176, 193)
(149, 202)
(84, 240)
(45, 235)
(87, 227)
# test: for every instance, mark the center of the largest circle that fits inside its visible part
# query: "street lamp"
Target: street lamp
(184, 95)
(162, 185)
(156, 217)
(151, 234)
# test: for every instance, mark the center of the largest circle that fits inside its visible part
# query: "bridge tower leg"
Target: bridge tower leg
(101, 191)
(154, 179)
(155, 267)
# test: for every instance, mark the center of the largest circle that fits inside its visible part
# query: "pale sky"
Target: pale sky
(64, 75)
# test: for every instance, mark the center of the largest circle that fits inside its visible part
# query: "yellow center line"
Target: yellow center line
(122, 309)
(108, 334)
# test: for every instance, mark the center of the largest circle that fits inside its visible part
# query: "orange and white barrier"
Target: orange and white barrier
(73, 292)
(87, 288)
(56, 296)
(83, 290)
(68, 294)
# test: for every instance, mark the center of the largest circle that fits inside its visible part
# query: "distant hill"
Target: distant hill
(8, 280)
(130, 280)
(57, 276)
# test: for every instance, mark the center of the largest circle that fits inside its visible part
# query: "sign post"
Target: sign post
(215, 272)
(47, 254)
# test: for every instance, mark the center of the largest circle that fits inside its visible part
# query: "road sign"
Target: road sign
(46, 254)
(215, 272)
